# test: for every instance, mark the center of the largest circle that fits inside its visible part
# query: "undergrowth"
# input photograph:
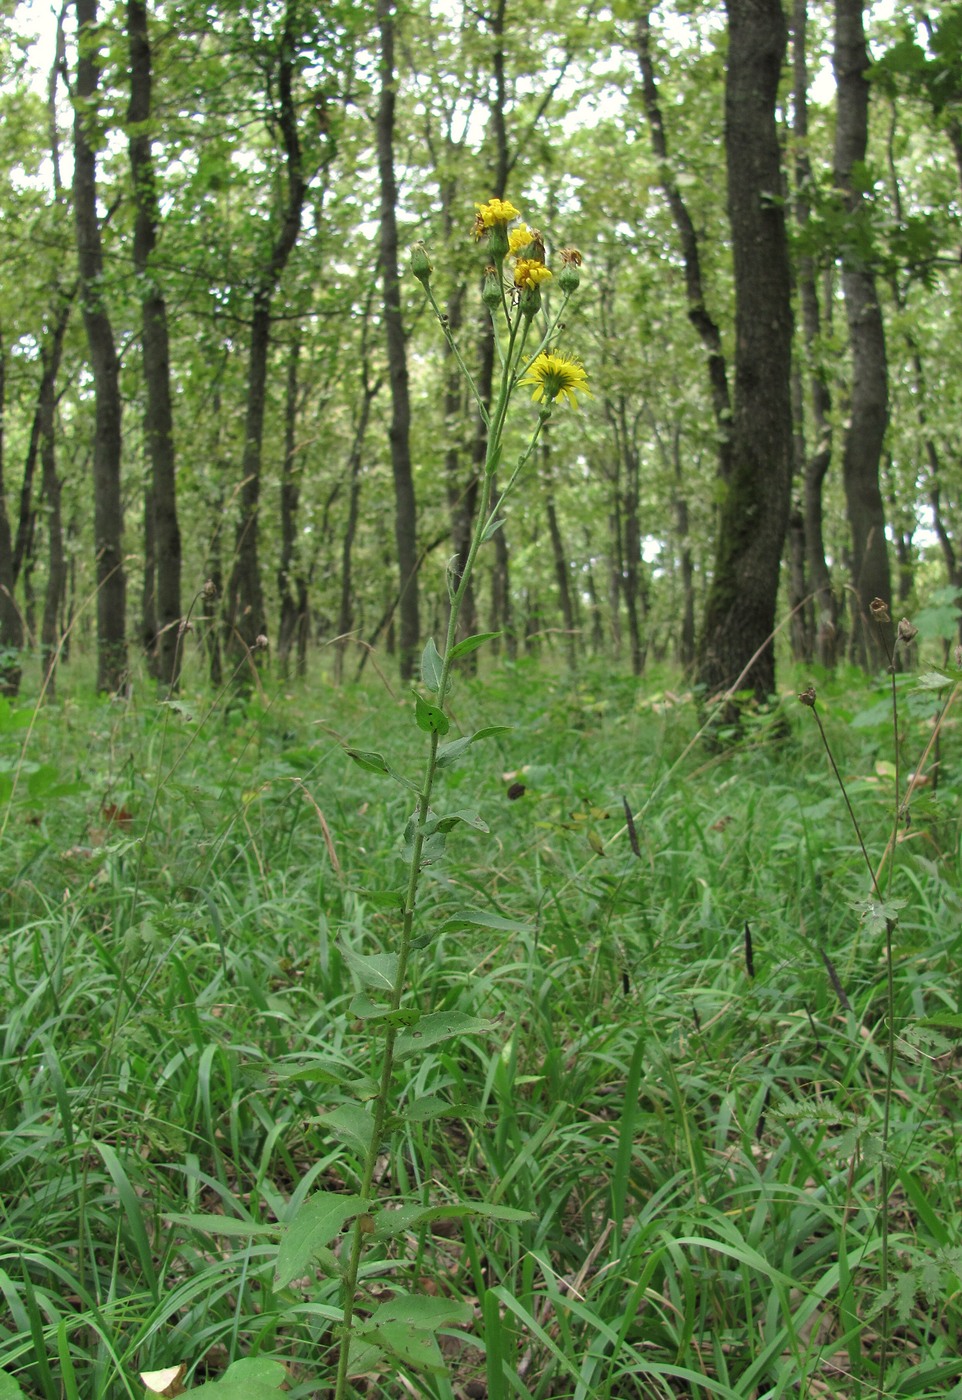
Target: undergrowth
(684, 1087)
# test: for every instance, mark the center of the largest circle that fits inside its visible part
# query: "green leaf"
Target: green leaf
(453, 751)
(378, 970)
(472, 643)
(351, 1124)
(933, 680)
(482, 918)
(436, 1027)
(431, 666)
(390, 1223)
(424, 1110)
(314, 1224)
(429, 717)
(9, 1388)
(369, 761)
(423, 1312)
(491, 529)
(367, 1010)
(251, 1378)
(409, 1344)
(451, 820)
(226, 1225)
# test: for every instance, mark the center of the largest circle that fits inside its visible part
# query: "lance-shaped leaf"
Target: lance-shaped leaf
(351, 1124)
(450, 753)
(377, 970)
(469, 644)
(390, 1223)
(429, 717)
(314, 1224)
(367, 1010)
(438, 1026)
(431, 666)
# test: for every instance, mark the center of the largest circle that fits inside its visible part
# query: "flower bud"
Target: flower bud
(491, 292)
(420, 265)
(879, 610)
(906, 632)
(807, 697)
(569, 277)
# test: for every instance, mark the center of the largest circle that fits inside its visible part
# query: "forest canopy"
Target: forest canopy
(226, 402)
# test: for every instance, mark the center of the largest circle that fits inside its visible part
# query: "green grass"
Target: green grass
(698, 1147)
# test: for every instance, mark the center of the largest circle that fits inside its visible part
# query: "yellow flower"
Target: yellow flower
(496, 211)
(556, 377)
(519, 238)
(530, 274)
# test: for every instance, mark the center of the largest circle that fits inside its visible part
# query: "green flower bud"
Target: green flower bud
(491, 293)
(420, 265)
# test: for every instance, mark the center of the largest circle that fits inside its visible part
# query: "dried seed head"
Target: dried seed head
(209, 590)
(261, 643)
(907, 632)
(807, 697)
(879, 610)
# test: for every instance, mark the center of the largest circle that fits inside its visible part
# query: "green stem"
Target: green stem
(495, 422)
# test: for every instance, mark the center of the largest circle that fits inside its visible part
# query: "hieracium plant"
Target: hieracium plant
(399, 1327)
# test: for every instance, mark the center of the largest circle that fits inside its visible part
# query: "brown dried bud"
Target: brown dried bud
(879, 610)
(261, 642)
(906, 632)
(209, 590)
(807, 697)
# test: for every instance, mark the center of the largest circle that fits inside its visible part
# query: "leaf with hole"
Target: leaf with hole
(367, 1010)
(429, 717)
(436, 1027)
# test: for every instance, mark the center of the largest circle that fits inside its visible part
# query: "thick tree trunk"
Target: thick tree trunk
(736, 642)
(11, 625)
(108, 503)
(245, 610)
(868, 409)
(158, 415)
(405, 506)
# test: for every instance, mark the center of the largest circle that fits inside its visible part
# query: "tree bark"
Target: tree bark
(817, 462)
(291, 584)
(108, 504)
(55, 595)
(558, 553)
(245, 610)
(736, 642)
(158, 415)
(868, 408)
(405, 505)
(11, 624)
(698, 314)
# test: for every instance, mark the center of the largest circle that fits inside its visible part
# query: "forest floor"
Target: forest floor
(719, 1069)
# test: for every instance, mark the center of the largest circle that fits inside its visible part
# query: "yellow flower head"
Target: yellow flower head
(530, 274)
(519, 238)
(494, 216)
(556, 377)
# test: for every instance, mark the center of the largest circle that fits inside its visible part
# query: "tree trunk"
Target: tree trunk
(405, 506)
(868, 408)
(736, 642)
(698, 313)
(289, 573)
(55, 595)
(245, 611)
(816, 463)
(108, 504)
(558, 554)
(11, 625)
(158, 414)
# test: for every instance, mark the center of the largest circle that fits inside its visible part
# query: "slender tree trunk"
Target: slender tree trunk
(158, 415)
(245, 610)
(108, 503)
(405, 506)
(868, 409)
(558, 553)
(11, 625)
(55, 595)
(698, 313)
(288, 623)
(740, 609)
(816, 463)
(346, 609)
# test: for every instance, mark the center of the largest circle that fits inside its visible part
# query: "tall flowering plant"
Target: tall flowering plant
(373, 1332)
